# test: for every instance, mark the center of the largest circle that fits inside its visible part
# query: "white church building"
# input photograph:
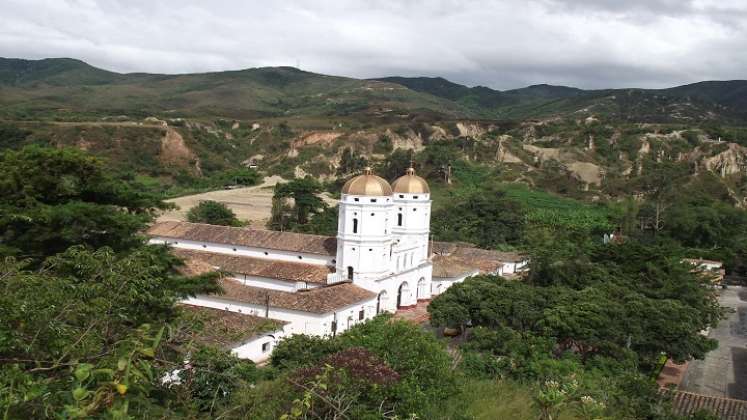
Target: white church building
(382, 260)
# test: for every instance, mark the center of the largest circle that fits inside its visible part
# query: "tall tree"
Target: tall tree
(51, 199)
(304, 194)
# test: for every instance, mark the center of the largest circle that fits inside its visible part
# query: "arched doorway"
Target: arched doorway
(381, 302)
(403, 293)
(421, 289)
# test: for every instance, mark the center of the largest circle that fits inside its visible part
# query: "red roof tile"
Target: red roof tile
(260, 267)
(320, 300)
(267, 239)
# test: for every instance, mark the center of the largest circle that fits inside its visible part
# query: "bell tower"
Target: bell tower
(364, 229)
(412, 215)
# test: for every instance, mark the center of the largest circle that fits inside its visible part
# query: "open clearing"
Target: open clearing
(253, 204)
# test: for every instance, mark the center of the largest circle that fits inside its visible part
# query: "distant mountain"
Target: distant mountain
(546, 92)
(53, 71)
(731, 93)
(69, 88)
(694, 101)
(481, 95)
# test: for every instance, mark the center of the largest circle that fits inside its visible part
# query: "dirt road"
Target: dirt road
(253, 204)
(723, 372)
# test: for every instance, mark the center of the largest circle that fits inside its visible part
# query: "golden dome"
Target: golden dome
(367, 184)
(409, 183)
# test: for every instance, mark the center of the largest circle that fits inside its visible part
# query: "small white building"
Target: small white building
(247, 336)
(380, 261)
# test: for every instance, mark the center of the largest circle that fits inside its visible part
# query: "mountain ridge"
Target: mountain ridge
(42, 86)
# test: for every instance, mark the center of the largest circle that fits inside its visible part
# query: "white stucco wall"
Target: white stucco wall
(440, 284)
(364, 236)
(258, 349)
(273, 284)
(389, 287)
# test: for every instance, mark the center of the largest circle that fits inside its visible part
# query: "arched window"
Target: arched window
(355, 225)
(399, 219)
(350, 273)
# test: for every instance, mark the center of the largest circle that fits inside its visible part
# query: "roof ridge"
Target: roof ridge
(242, 228)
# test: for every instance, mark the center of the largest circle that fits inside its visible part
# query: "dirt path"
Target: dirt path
(723, 372)
(253, 204)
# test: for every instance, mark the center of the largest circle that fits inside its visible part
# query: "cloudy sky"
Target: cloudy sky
(501, 44)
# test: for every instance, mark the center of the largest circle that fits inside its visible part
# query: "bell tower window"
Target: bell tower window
(355, 225)
(350, 273)
(399, 219)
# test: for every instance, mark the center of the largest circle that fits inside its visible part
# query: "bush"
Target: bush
(213, 213)
(302, 350)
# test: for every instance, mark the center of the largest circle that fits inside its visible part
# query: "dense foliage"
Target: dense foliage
(599, 315)
(487, 219)
(414, 372)
(51, 199)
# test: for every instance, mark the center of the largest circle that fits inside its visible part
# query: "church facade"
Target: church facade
(381, 260)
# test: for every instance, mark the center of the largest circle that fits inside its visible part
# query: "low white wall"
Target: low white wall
(273, 284)
(266, 253)
(259, 348)
(440, 284)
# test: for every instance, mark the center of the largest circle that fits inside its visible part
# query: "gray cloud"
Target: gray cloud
(501, 44)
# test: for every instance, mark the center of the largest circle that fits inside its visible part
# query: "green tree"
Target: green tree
(213, 213)
(323, 223)
(51, 199)
(395, 164)
(350, 162)
(487, 219)
(241, 176)
(304, 194)
(83, 335)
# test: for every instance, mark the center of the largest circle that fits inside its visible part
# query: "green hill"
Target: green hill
(65, 88)
(60, 87)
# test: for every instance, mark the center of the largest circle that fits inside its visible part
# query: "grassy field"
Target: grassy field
(483, 399)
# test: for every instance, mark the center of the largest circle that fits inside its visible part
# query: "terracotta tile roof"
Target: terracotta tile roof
(319, 300)
(195, 267)
(284, 241)
(466, 250)
(260, 267)
(224, 328)
(686, 403)
(447, 266)
(452, 259)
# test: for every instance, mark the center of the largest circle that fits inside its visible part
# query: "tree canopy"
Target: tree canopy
(51, 199)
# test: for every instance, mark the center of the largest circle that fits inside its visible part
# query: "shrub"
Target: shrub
(214, 213)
